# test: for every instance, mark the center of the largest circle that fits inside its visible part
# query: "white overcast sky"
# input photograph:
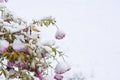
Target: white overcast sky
(93, 31)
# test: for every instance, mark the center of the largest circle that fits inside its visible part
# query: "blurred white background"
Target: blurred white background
(93, 32)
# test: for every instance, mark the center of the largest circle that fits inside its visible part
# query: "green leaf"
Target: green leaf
(5, 54)
(4, 72)
(0, 73)
(15, 56)
(1, 24)
(26, 77)
(54, 50)
(35, 29)
(13, 76)
(41, 24)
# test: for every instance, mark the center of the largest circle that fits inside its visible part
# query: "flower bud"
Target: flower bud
(59, 35)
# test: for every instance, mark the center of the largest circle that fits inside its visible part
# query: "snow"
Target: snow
(49, 43)
(3, 45)
(62, 67)
(13, 27)
(18, 45)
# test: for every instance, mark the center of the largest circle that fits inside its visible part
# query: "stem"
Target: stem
(56, 26)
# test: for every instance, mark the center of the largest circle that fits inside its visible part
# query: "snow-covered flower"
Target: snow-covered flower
(62, 68)
(58, 77)
(39, 75)
(3, 45)
(19, 46)
(59, 34)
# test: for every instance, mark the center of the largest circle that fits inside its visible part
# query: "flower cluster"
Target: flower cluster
(21, 47)
(60, 69)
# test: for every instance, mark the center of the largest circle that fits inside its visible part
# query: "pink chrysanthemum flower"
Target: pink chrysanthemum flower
(3, 46)
(39, 75)
(59, 34)
(58, 77)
